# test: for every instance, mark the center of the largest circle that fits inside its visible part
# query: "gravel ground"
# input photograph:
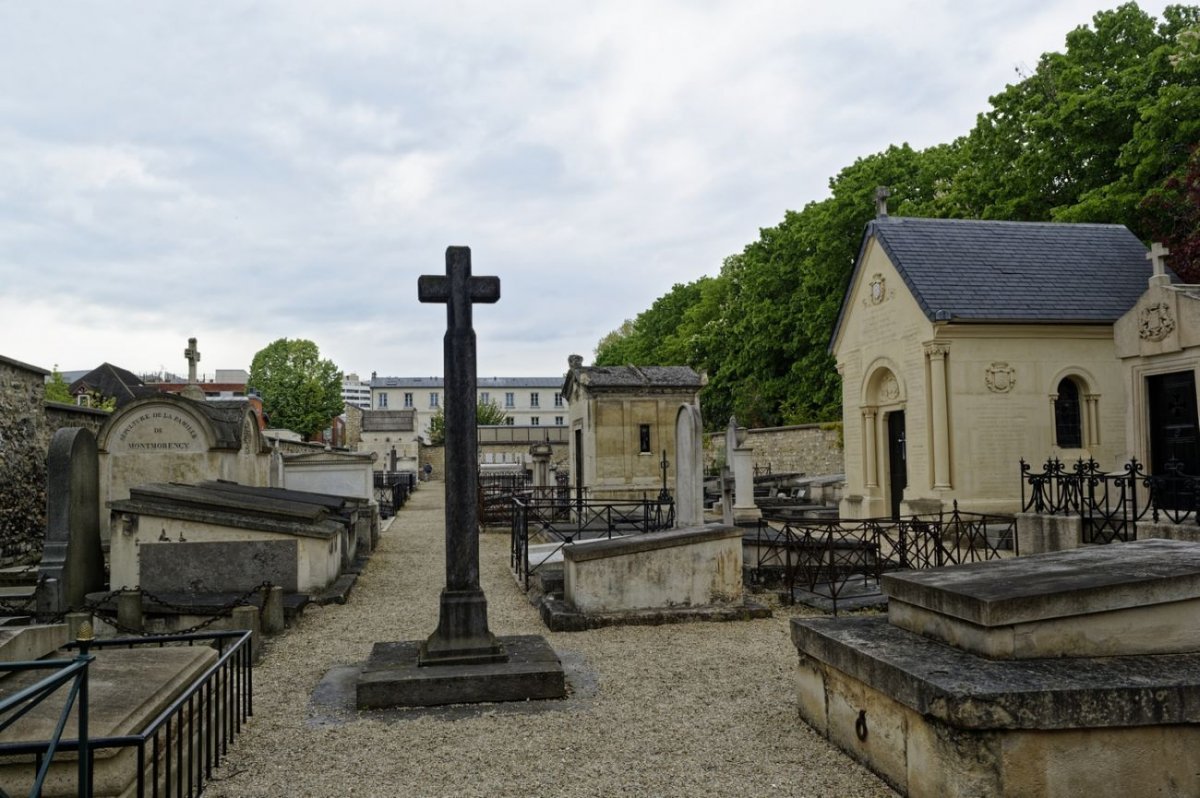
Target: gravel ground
(699, 709)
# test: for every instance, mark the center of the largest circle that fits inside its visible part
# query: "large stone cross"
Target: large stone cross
(193, 357)
(462, 634)
(1157, 255)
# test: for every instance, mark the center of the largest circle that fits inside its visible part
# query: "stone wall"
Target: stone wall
(811, 449)
(436, 455)
(27, 422)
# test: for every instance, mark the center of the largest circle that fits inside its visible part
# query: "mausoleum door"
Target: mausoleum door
(897, 461)
(579, 470)
(1174, 431)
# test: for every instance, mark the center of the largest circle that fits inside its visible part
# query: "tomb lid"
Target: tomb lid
(596, 379)
(268, 509)
(1057, 584)
(331, 502)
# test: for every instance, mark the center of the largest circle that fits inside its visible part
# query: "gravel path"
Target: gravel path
(702, 709)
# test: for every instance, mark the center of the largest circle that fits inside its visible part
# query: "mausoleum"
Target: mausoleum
(967, 345)
(622, 420)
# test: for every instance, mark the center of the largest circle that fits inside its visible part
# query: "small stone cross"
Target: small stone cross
(881, 197)
(193, 357)
(1157, 255)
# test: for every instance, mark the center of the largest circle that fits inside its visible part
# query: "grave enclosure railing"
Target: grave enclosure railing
(562, 518)
(825, 556)
(176, 753)
(1110, 503)
(392, 489)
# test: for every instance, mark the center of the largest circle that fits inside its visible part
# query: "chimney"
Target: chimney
(881, 197)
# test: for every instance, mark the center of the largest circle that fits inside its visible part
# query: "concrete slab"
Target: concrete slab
(1123, 599)
(392, 678)
(560, 616)
(1055, 584)
(25, 643)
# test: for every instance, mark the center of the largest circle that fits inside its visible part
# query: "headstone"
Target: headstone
(689, 467)
(541, 452)
(72, 559)
(461, 661)
(740, 459)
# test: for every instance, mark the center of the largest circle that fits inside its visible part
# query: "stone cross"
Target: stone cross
(193, 357)
(462, 635)
(881, 197)
(1157, 255)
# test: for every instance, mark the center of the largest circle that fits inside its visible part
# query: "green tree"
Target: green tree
(57, 389)
(300, 390)
(486, 414)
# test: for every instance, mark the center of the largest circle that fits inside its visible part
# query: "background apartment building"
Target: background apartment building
(526, 401)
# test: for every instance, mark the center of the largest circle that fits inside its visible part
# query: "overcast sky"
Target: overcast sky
(246, 171)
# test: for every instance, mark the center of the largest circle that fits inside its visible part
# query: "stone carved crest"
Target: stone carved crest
(1000, 378)
(1156, 322)
(889, 389)
(877, 290)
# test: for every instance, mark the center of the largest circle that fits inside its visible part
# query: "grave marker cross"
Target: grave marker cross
(1157, 256)
(462, 634)
(193, 357)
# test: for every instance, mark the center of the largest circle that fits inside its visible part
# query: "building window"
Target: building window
(382, 401)
(510, 399)
(509, 420)
(533, 400)
(1068, 420)
(535, 421)
(558, 421)
(644, 437)
(484, 398)
(408, 400)
(558, 400)
(433, 400)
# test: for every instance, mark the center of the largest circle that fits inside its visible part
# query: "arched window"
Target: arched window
(1068, 418)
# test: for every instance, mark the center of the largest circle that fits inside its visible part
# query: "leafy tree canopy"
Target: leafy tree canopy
(57, 389)
(486, 413)
(1105, 131)
(300, 390)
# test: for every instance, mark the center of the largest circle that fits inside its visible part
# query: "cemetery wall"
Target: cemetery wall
(811, 449)
(499, 453)
(27, 423)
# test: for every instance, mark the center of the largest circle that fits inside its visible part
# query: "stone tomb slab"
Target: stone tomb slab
(935, 721)
(218, 566)
(392, 678)
(128, 689)
(1126, 598)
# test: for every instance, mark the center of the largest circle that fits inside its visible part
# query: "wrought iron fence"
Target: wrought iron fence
(392, 489)
(827, 556)
(176, 753)
(558, 517)
(1110, 503)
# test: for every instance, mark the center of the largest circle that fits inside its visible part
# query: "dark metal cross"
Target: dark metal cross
(462, 635)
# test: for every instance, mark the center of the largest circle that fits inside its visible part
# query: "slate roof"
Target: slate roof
(109, 380)
(996, 271)
(482, 383)
(608, 378)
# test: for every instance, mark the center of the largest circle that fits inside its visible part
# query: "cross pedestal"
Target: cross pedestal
(462, 661)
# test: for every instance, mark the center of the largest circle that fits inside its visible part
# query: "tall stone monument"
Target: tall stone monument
(462, 661)
(192, 390)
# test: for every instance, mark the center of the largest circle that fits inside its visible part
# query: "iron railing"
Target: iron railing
(392, 489)
(563, 519)
(827, 556)
(176, 753)
(1110, 503)
(14, 707)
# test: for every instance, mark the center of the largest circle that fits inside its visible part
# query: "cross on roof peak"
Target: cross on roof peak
(193, 357)
(1157, 255)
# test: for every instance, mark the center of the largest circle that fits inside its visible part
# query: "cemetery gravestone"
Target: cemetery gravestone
(72, 559)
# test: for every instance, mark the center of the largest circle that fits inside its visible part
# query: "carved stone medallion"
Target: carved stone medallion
(1000, 378)
(1156, 322)
(889, 390)
(877, 291)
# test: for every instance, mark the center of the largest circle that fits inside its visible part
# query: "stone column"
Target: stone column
(936, 352)
(1092, 420)
(744, 508)
(870, 467)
